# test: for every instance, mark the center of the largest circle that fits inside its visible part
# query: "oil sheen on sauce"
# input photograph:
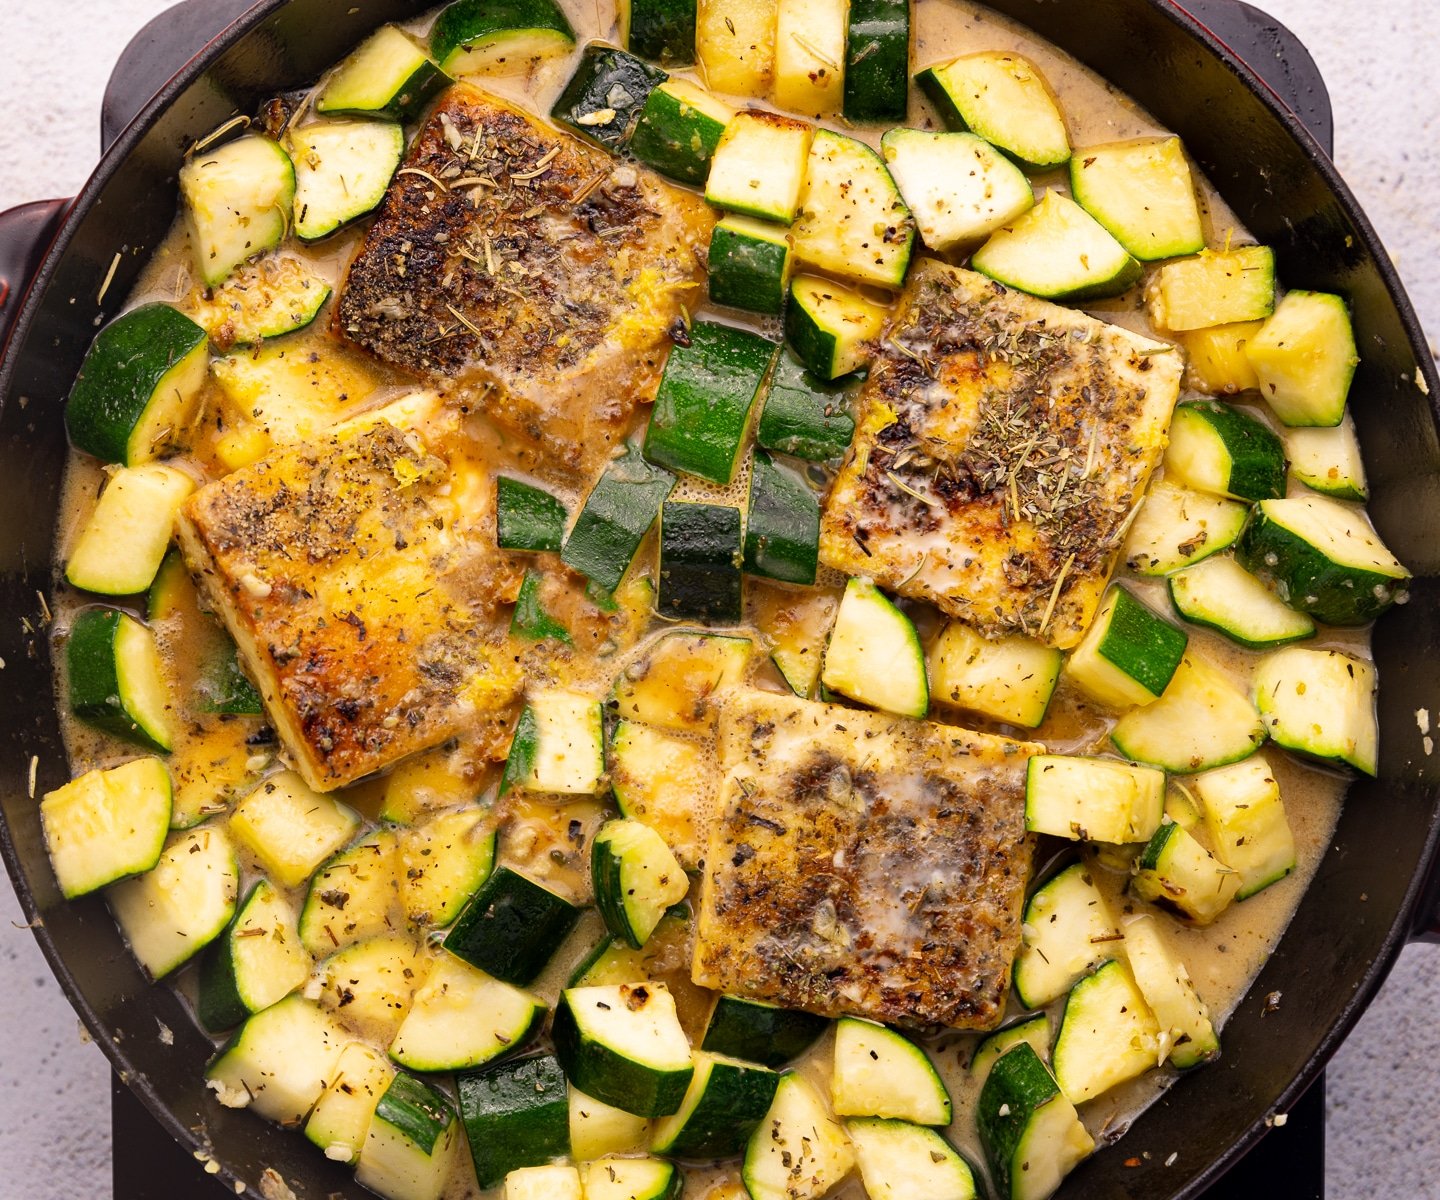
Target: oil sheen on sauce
(1222, 959)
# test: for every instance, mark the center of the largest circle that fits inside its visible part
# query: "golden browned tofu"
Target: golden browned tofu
(865, 864)
(358, 575)
(541, 272)
(1001, 445)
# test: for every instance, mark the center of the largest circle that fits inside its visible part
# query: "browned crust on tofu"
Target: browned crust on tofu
(536, 270)
(864, 864)
(1001, 446)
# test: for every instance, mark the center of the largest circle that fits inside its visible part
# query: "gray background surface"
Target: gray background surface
(1378, 59)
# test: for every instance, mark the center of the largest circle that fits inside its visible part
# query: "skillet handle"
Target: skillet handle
(26, 232)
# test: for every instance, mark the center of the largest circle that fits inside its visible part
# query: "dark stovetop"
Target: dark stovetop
(1289, 1161)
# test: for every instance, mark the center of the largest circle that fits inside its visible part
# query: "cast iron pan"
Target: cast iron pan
(1373, 890)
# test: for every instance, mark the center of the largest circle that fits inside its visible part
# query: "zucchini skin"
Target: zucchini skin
(700, 552)
(516, 1114)
(805, 416)
(95, 689)
(734, 1101)
(615, 517)
(611, 1078)
(600, 70)
(877, 61)
(762, 1033)
(527, 517)
(1257, 457)
(663, 31)
(747, 272)
(511, 927)
(467, 21)
(782, 530)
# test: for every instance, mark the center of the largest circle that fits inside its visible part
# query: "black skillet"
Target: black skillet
(1375, 889)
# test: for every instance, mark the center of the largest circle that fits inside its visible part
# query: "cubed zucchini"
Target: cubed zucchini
(1005, 99)
(410, 1146)
(681, 123)
(726, 1101)
(116, 679)
(958, 186)
(877, 61)
(341, 1118)
(461, 1017)
(831, 328)
(810, 56)
(758, 168)
(1246, 821)
(660, 30)
(1216, 358)
(512, 927)
(1304, 358)
(1218, 449)
(291, 828)
(107, 825)
(1032, 1135)
(343, 168)
(498, 37)
(1009, 679)
(388, 75)
(735, 44)
(1058, 251)
(901, 1161)
(782, 525)
(749, 264)
(1203, 720)
(1220, 594)
(280, 1061)
(527, 517)
(1217, 287)
(237, 200)
(1176, 873)
(799, 1151)
(1185, 1026)
(256, 962)
(759, 1032)
(874, 655)
(636, 879)
(1328, 460)
(805, 416)
(1068, 930)
(615, 518)
(516, 1114)
(120, 549)
(1177, 527)
(623, 1044)
(605, 95)
(1128, 655)
(1108, 1034)
(1320, 703)
(1093, 799)
(1143, 193)
(881, 1073)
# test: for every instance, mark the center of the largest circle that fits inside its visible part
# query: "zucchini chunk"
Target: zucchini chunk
(1304, 358)
(901, 1161)
(830, 327)
(598, 1129)
(516, 1115)
(498, 37)
(1177, 527)
(960, 188)
(1247, 825)
(1032, 1135)
(1176, 873)
(530, 621)
(107, 825)
(291, 828)
(1203, 720)
(657, 779)
(1220, 594)
(877, 61)
(1323, 558)
(879, 1073)
(758, 168)
(351, 896)
(605, 95)
(280, 1061)
(137, 389)
(681, 123)
(622, 1044)
(559, 746)
(342, 171)
(612, 960)
(527, 517)
(460, 1018)
(1005, 99)
(1093, 799)
(632, 1179)
(371, 984)
(1215, 448)
(782, 525)
(799, 1151)
(543, 1183)
(1058, 251)
(675, 685)
(735, 44)
(255, 963)
(340, 1120)
(805, 416)
(1143, 193)
(852, 221)
(1328, 460)
(874, 655)
(388, 75)
(616, 516)
(1217, 287)
(410, 1144)
(442, 863)
(1068, 931)
(749, 264)
(123, 543)
(1216, 358)
(1320, 703)
(1107, 1034)
(1129, 655)
(1032, 1031)
(636, 879)
(759, 1032)
(700, 556)
(116, 678)
(795, 628)
(660, 30)
(1185, 1025)
(237, 202)
(511, 927)
(725, 1103)
(272, 297)
(810, 56)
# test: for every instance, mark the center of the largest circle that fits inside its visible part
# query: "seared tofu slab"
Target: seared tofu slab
(864, 864)
(541, 272)
(358, 575)
(1001, 446)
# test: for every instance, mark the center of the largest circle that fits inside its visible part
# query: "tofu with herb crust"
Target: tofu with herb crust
(540, 274)
(1002, 444)
(359, 578)
(863, 864)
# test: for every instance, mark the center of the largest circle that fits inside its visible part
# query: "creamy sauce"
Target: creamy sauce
(1222, 959)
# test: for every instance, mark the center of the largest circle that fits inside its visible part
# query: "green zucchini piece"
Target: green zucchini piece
(880, 1073)
(1032, 1031)
(1108, 1034)
(558, 745)
(1217, 287)
(874, 655)
(606, 95)
(1215, 448)
(1177, 528)
(615, 517)
(107, 825)
(349, 898)
(442, 863)
(636, 879)
(702, 408)
(700, 557)
(852, 221)
(1004, 98)
(120, 549)
(901, 1161)
(1323, 558)
(632, 1179)
(1305, 358)
(759, 1032)
(658, 779)
(1143, 193)
(1068, 930)
(1058, 251)
(342, 170)
(1185, 1025)
(877, 61)
(255, 963)
(782, 529)
(1008, 679)
(461, 1017)
(511, 927)
(116, 680)
(371, 984)
(758, 167)
(1202, 721)
(1246, 821)
(516, 1115)
(1128, 655)
(623, 1044)
(749, 264)
(735, 45)
(138, 386)
(681, 123)
(831, 328)
(291, 828)
(498, 37)
(1320, 703)
(530, 621)
(1220, 594)
(237, 200)
(1216, 362)
(1032, 1135)
(809, 65)
(672, 687)
(267, 299)
(1093, 799)
(597, 1129)
(410, 1147)
(553, 1182)
(660, 30)
(960, 188)
(225, 688)
(280, 1061)
(799, 1152)
(1177, 874)
(1328, 460)
(726, 1101)
(806, 416)
(388, 75)
(341, 1118)
(612, 960)
(527, 517)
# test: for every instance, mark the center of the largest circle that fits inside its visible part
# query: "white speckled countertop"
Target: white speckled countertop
(1384, 1103)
